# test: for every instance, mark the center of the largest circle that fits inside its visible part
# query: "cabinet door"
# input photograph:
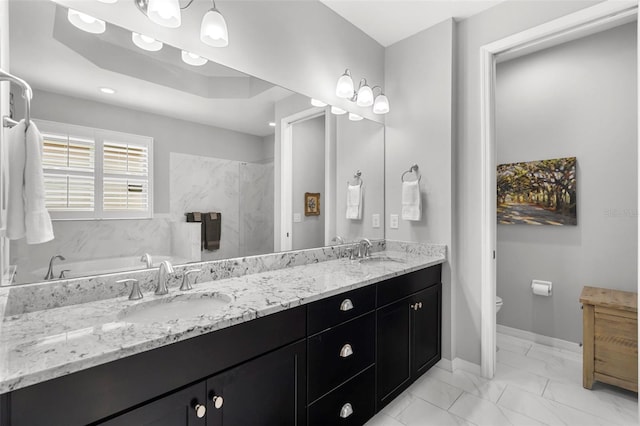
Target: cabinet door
(269, 390)
(393, 353)
(186, 407)
(426, 330)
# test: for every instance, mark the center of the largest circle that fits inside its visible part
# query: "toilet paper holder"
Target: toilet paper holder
(541, 288)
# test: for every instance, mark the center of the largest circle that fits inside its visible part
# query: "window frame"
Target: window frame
(99, 137)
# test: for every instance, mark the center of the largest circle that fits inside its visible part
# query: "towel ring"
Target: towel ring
(413, 169)
(357, 179)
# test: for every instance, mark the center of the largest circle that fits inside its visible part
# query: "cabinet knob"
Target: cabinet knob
(346, 410)
(346, 305)
(419, 305)
(201, 410)
(346, 351)
(414, 306)
(217, 401)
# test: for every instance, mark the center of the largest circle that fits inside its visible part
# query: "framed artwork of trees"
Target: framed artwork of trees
(538, 192)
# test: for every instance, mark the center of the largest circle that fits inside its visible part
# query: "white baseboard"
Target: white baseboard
(539, 338)
(459, 364)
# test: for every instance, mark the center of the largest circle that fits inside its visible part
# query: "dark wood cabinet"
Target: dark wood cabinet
(270, 390)
(408, 334)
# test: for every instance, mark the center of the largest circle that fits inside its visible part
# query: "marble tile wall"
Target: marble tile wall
(256, 208)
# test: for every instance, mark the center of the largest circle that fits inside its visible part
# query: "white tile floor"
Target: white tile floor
(534, 385)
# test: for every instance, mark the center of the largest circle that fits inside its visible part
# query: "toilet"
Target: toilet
(498, 303)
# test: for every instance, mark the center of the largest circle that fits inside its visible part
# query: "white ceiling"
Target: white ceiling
(389, 21)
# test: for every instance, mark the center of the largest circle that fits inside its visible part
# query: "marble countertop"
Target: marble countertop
(45, 344)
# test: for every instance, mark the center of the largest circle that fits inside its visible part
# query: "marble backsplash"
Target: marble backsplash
(52, 294)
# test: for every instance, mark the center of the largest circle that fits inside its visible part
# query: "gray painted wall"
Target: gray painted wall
(494, 24)
(170, 135)
(577, 99)
(419, 129)
(308, 176)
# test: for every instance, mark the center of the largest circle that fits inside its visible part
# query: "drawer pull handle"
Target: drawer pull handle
(346, 410)
(346, 351)
(200, 409)
(217, 401)
(346, 305)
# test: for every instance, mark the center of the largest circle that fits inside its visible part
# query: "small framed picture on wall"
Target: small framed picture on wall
(312, 204)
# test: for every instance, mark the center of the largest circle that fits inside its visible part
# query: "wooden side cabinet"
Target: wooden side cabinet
(610, 336)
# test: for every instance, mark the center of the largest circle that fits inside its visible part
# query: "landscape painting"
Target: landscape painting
(538, 192)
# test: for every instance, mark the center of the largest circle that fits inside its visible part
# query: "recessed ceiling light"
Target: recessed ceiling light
(337, 111)
(317, 103)
(272, 123)
(86, 22)
(354, 117)
(193, 59)
(107, 90)
(146, 43)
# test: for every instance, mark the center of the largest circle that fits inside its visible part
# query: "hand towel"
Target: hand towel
(354, 202)
(411, 208)
(16, 153)
(37, 220)
(197, 217)
(212, 230)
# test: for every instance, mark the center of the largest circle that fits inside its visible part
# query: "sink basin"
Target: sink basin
(380, 259)
(177, 307)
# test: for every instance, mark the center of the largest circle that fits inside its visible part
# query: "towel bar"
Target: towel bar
(27, 94)
(412, 169)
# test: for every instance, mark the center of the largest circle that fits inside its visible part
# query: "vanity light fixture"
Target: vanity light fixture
(317, 103)
(337, 111)
(86, 22)
(213, 29)
(145, 42)
(354, 117)
(108, 90)
(364, 96)
(193, 59)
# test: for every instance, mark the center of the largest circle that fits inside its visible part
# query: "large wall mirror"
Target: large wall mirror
(212, 152)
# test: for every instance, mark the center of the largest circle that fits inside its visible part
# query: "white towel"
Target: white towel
(27, 215)
(411, 207)
(354, 202)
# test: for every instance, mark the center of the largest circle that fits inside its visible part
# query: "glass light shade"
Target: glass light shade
(317, 103)
(146, 43)
(107, 1)
(365, 96)
(85, 22)
(354, 117)
(344, 88)
(381, 104)
(213, 30)
(193, 59)
(337, 111)
(164, 12)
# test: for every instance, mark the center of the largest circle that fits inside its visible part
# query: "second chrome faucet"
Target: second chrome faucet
(163, 272)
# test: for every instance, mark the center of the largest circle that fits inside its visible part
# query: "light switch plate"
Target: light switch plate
(375, 220)
(297, 217)
(394, 221)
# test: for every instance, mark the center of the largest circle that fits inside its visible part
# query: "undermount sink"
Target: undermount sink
(176, 307)
(380, 259)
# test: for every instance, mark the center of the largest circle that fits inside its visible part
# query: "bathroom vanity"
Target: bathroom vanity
(323, 343)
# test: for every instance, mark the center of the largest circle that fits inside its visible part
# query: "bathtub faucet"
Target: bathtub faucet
(50, 275)
(146, 258)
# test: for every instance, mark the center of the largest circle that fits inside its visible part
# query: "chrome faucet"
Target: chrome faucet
(367, 246)
(50, 275)
(146, 258)
(163, 271)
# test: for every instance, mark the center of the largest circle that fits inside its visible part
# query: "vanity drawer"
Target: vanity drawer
(339, 353)
(342, 307)
(396, 288)
(333, 409)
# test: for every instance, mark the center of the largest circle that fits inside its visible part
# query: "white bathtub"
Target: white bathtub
(82, 268)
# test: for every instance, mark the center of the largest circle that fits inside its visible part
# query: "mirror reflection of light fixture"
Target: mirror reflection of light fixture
(317, 103)
(213, 29)
(145, 42)
(337, 111)
(364, 96)
(354, 117)
(86, 22)
(193, 59)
